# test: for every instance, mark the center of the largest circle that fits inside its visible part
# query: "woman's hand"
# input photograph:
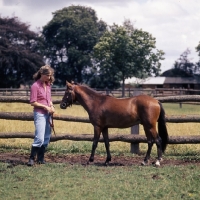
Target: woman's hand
(50, 109)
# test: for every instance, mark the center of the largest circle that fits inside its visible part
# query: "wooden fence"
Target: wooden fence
(134, 138)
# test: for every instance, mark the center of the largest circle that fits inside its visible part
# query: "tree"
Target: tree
(198, 63)
(183, 67)
(20, 54)
(175, 72)
(198, 49)
(70, 37)
(184, 64)
(123, 52)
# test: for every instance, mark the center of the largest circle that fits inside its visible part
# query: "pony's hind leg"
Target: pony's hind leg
(159, 151)
(107, 145)
(147, 157)
(97, 133)
(151, 134)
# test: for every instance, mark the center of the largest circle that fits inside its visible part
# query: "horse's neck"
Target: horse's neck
(86, 98)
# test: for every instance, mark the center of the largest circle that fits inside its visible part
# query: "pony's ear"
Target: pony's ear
(69, 85)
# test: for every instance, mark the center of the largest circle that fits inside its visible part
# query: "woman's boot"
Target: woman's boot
(40, 155)
(34, 151)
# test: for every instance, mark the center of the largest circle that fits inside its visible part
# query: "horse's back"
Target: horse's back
(142, 101)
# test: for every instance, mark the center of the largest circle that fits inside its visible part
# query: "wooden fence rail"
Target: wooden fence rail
(169, 99)
(27, 116)
(129, 91)
(134, 139)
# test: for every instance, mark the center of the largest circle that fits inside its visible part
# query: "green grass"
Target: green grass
(64, 181)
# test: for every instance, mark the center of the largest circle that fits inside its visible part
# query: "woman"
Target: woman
(40, 99)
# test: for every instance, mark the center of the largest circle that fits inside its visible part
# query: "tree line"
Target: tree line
(80, 48)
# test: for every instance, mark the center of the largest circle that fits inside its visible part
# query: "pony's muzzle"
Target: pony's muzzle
(63, 105)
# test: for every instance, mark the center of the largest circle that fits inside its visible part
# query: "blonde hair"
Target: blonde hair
(45, 70)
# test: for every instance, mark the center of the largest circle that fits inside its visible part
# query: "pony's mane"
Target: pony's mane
(88, 89)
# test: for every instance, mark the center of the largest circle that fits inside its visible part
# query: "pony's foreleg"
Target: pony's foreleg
(147, 157)
(97, 133)
(107, 145)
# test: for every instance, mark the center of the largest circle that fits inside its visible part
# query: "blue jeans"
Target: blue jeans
(42, 129)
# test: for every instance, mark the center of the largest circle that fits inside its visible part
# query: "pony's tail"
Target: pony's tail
(162, 129)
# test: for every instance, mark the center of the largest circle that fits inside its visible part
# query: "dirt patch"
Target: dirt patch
(18, 159)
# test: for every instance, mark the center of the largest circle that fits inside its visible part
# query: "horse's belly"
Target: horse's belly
(122, 123)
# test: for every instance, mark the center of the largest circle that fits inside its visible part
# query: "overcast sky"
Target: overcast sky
(174, 23)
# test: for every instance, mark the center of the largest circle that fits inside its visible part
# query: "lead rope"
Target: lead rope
(51, 123)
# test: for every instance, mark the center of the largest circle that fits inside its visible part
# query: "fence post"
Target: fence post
(135, 130)
(107, 91)
(135, 146)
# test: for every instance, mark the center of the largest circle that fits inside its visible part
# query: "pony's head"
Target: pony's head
(69, 96)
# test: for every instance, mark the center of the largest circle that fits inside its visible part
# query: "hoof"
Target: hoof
(144, 163)
(108, 159)
(88, 162)
(91, 160)
(157, 163)
(107, 162)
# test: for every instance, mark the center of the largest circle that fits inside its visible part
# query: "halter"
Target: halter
(66, 103)
(71, 98)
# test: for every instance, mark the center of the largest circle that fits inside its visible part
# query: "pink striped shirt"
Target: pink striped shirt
(38, 94)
